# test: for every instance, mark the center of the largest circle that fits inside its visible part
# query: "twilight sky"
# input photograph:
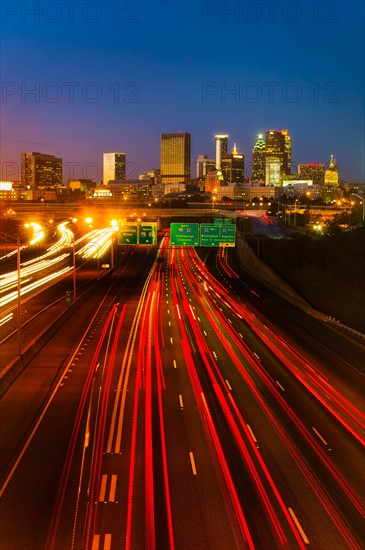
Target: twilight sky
(80, 78)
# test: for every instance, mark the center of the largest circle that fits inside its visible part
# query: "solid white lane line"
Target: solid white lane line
(319, 435)
(192, 461)
(299, 527)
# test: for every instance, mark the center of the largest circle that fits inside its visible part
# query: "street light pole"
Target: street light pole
(363, 204)
(19, 320)
(112, 252)
(295, 212)
(213, 198)
(74, 268)
(9, 238)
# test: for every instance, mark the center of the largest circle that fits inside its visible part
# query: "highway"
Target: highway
(184, 406)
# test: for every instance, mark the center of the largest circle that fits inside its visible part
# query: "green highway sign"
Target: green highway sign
(221, 221)
(228, 235)
(217, 234)
(128, 233)
(148, 233)
(184, 234)
(209, 234)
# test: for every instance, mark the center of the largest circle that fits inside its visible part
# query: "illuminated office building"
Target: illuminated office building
(331, 174)
(287, 152)
(258, 160)
(273, 172)
(233, 167)
(221, 148)
(313, 171)
(175, 152)
(114, 166)
(278, 148)
(39, 170)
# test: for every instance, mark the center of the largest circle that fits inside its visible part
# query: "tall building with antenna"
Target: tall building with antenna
(233, 167)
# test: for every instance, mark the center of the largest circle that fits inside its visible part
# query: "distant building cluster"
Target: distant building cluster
(224, 174)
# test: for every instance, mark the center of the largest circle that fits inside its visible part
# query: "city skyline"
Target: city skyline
(72, 169)
(121, 89)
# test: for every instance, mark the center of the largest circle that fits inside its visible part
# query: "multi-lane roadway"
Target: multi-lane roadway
(182, 406)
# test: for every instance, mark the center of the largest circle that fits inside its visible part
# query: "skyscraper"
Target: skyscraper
(221, 148)
(175, 153)
(275, 145)
(39, 170)
(113, 167)
(277, 150)
(287, 152)
(258, 160)
(233, 167)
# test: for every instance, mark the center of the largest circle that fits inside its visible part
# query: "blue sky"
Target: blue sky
(113, 76)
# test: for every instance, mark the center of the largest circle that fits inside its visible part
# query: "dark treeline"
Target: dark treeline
(329, 271)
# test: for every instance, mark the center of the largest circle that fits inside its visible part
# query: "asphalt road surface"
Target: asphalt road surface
(183, 406)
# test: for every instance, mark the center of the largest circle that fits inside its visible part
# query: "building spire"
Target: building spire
(234, 152)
